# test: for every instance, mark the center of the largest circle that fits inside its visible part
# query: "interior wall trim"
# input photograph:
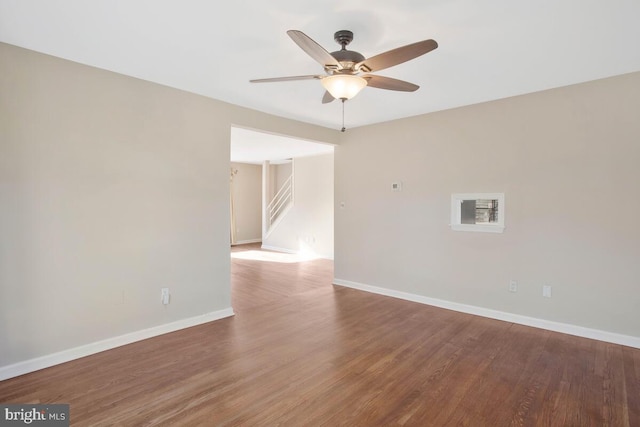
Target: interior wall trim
(245, 242)
(31, 365)
(564, 328)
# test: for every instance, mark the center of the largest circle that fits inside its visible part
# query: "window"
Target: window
(478, 212)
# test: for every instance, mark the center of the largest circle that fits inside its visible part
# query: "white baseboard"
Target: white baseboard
(246, 242)
(49, 360)
(290, 251)
(564, 328)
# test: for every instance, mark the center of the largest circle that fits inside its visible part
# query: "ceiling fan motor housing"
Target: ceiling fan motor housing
(348, 58)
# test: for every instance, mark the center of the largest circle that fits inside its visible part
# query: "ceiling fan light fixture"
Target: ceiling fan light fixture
(343, 86)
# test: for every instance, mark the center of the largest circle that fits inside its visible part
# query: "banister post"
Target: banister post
(265, 197)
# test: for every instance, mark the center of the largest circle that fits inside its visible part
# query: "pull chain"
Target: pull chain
(343, 128)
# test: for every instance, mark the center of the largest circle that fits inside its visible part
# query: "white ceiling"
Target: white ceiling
(248, 146)
(488, 49)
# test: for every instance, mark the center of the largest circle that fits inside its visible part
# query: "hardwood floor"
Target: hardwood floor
(302, 352)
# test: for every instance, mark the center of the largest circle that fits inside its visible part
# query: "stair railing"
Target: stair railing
(282, 200)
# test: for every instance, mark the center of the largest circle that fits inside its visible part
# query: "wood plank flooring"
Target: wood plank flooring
(302, 352)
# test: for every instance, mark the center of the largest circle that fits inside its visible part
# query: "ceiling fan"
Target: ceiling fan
(347, 71)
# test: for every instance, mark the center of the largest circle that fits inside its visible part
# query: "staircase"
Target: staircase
(282, 202)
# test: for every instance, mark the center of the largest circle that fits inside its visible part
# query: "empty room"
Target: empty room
(466, 252)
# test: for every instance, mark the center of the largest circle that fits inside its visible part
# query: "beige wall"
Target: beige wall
(568, 163)
(247, 201)
(281, 173)
(308, 226)
(110, 188)
(278, 174)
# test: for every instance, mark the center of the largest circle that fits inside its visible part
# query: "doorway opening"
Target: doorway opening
(281, 193)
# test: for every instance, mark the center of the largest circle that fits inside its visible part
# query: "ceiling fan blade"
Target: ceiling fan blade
(286, 79)
(314, 50)
(327, 98)
(397, 56)
(388, 83)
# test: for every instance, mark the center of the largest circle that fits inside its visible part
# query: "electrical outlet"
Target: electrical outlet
(164, 296)
(513, 286)
(546, 291)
